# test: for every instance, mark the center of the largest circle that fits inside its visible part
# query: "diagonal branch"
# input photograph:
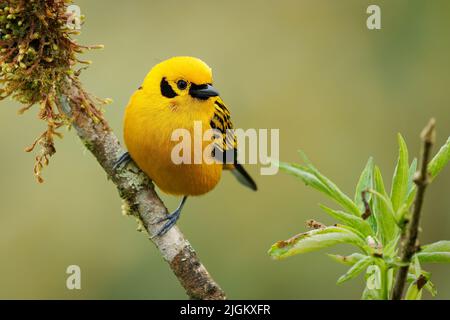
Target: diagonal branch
(409, 246)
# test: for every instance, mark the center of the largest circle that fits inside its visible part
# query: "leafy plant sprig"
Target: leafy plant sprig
(375, 222)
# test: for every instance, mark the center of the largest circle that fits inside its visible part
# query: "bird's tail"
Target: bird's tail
(243, 177)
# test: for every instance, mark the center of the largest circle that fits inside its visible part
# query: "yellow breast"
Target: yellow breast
(148, 126)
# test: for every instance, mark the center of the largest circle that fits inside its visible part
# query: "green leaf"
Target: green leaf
(419, 276)
(431, 288)
(437, 252)
(404, 210)
(413, 292)
(391, 248)
(383, 211)
(399, 186)
(351, 220)
(440, 160)
(356, 269)
(372, 220)
(312, 177)
(383, 198)
(337, 195)
(305, 175)
(440, 246)
(315, 240)
(411, 174)
(434, 257)
(411, 195)
(411, 277)
(352, 230)
(416, 266)
(364, 183)
(347, 260)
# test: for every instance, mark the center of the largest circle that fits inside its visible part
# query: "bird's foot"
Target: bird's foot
(124, 158)
(167, 217)
(171, 221)
(170, 218)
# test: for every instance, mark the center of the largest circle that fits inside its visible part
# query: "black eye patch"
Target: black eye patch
(166, 89)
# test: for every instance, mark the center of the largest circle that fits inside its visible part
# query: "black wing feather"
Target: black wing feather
(227, 152)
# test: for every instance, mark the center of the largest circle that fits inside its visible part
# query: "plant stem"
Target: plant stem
(384, 285)
(421, 180)
(385, 282)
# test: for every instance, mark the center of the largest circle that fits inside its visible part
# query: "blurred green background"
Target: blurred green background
(310, 68)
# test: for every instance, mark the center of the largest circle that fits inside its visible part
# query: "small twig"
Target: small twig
(409, 246)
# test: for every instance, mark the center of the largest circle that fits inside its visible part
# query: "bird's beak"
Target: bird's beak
(203, 91)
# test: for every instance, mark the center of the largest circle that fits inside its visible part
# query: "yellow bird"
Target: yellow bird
(175, 94)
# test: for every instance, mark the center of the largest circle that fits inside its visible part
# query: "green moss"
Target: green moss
(38, 62)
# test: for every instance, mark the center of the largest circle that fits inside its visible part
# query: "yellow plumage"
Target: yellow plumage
(155, 111)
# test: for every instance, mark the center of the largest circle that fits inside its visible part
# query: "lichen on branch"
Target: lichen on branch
(39, 61)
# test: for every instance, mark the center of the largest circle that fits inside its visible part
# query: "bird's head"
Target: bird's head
(181, 80)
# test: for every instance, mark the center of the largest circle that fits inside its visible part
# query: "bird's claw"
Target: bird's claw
(124, 158)
(161, 220)
(171, 221)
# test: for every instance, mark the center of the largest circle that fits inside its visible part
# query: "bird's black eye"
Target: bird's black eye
(181, 84)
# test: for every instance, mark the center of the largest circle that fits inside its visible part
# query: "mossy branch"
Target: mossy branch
(38, 60)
